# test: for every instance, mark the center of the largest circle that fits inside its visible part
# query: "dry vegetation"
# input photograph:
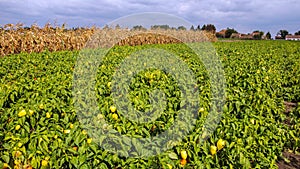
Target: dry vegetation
(16, 38)
(111, 37)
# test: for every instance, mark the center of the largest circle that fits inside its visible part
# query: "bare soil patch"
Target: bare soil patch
(290, 160)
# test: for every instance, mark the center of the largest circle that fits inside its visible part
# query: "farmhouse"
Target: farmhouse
(235, 35)
(242, 36)
(247, 36)
(221, 34)
(278, 37)
(292, 37)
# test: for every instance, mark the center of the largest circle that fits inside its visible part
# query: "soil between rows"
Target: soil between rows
(291, 160)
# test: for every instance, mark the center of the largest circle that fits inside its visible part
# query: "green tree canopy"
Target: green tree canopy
(268, 35)
(181, 28)
(229, 32)
(283, 33)
(209, 28)
(138, 27)
(160, 27)
(192, 28)
(258, 34)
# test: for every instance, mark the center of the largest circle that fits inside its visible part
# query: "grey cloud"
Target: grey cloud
(240, 14)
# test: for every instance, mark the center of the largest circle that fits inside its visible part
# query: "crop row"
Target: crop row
(39, 125)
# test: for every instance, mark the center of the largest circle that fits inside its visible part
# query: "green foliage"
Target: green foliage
(139, 27)
(268, 35)
(209, 28)
(192, 28)
(260, 75)
(282, 33)
(229, 32)
(181, 28)
(257, 34)
(165, 27)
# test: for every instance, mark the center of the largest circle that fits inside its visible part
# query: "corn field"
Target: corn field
(17, 38)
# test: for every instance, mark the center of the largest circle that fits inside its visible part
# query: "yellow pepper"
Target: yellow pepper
(22, 113)
(220, 144)
(213, 150)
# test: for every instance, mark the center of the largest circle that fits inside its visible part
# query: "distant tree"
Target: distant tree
(138, 27)
(209, 28)
(282, 33)
(181, 28)
(154, 27)
(117, 26)
(106, 27)
(198, 28)
(160, 27)
(63, 26)
(261, 33)
(192, 28)
(165, 26)
(27, 28)
(229, 32)
(268, 35)
(258, 34)
(297, 33)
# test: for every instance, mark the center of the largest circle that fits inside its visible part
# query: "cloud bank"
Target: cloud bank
(243, 15)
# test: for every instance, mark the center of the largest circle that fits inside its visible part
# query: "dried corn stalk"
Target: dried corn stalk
(16, 39)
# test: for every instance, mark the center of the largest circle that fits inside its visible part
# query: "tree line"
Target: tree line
(209, 27)
(257, 34)
(283, 33)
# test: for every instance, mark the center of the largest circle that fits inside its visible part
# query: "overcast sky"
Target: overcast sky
(242, 15)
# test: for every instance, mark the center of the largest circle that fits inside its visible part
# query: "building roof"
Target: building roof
(235, 35)
(293, 36)
(223, 31)
(247, 37)
(256, 33)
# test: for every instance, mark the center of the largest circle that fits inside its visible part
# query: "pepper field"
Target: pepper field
(39, 127)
